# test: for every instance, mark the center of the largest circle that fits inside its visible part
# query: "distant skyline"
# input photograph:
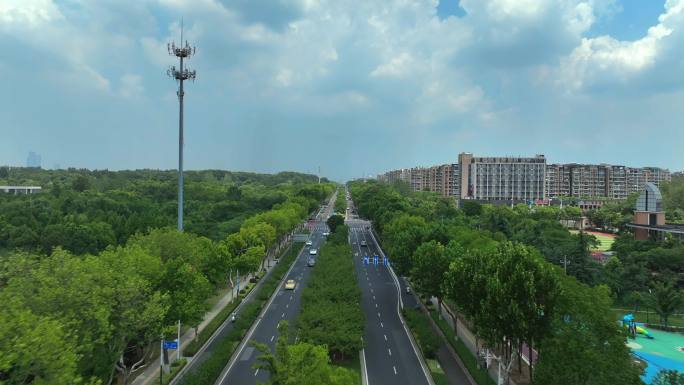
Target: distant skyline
(355, 88)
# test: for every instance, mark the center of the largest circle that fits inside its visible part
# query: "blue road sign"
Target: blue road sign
(375, 260)
(385, 261)
(171, 344)
(365, 260)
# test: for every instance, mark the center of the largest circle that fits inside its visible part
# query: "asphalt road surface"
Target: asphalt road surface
(285, 306)
(390, 356)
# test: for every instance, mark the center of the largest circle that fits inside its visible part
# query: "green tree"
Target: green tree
(334, 221)
(188, 289)
(584, 335)
(430, 263)
(34, 349)
(471, 208)
(81, 183)
(668, 377)
(402, 236)
(665, 300)
(299, 364)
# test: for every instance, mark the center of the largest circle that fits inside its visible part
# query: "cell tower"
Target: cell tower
(182, 52)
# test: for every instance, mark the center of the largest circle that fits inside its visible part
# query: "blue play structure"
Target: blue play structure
(633, 328)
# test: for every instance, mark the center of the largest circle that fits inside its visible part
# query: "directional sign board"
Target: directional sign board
(375, 260)
(171, 344)
(366, 260)
(385, 261)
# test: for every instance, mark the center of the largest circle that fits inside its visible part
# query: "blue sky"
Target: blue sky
(353, 87)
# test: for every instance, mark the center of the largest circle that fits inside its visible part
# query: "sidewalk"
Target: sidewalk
(151, 372)
(447, 358)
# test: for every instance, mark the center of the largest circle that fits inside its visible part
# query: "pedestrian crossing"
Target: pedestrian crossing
(317, 227)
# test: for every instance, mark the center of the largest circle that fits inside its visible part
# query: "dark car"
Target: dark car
(311, 262)
(363, 243)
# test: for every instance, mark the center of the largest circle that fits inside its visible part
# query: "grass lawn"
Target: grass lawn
(354, 365)
(642, 316)
(605, 240)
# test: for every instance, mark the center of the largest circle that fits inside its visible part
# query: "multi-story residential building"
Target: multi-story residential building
(503, 178)
(604, 180)
(526, 179)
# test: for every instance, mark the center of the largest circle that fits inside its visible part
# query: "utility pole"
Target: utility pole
(319, 174)
(565, 263)
(182, 52)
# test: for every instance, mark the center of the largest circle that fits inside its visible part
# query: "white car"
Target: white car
(325, 234)
(313, 252)
(309, 243)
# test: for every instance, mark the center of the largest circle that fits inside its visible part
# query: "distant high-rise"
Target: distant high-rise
(33, 160)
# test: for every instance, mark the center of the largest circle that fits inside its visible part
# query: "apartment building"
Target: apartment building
(604, 180)
(442, 179)
(525, 179)
(503, 178)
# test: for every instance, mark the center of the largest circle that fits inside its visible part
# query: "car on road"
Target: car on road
(290, 284)
(313, 252)
(363, 243)
(325, 233)
(309, 243)
(311, 262)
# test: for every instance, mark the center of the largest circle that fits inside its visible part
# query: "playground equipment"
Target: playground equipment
(632, 327)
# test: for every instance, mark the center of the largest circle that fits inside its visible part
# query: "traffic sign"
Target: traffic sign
(375, 260)
(171, 344)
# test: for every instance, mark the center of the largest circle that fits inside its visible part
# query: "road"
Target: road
(390, 357)
(284, 306)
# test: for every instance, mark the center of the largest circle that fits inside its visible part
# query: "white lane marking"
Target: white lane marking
(272, 337)
(373, 298)
(383, 335)
(381, 325)
(395, 369)
(290, 298)
(378, 314)
(287, 305)
(282, 316)
(376, 305)
(257, 372)
(389, 351)
(365, 369)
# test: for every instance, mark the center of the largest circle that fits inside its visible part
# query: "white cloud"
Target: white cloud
(131, 86)
(605, 60)
(389, 69)
(28, 13)
(398, 66)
